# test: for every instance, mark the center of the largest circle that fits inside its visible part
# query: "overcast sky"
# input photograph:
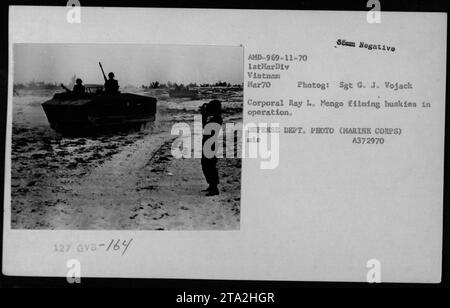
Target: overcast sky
(132, 64)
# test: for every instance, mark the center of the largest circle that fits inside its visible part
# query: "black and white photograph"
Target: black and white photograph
(222, 147)
(94, 132)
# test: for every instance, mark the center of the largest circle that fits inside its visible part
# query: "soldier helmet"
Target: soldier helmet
(79, 81)
(111, 75)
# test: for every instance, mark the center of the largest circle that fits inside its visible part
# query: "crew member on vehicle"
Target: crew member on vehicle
(78, 88)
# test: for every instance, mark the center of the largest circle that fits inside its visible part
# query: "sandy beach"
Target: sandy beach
(116, 180)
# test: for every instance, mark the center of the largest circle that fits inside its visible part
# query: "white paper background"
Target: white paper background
(330, 206)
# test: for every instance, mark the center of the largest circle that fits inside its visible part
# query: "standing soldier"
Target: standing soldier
(212, 122)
